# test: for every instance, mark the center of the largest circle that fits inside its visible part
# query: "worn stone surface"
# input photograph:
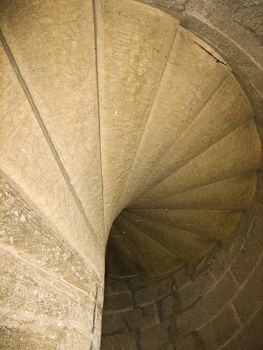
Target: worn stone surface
(22, 233)
(58, 66)
(148, 67)
(207, 306)
(154, 292)
(221, 328)
(113, 323)
(195, 290)
(32, 299)
(50, 339)
(219, 315)
(251, 291)
(124, 341)
(250, 337)
(189, 342)
(116, 286)
(109, 104)
(168, 307)
(141, 319)
(250, 250)
(28, 161)
(155, 338)
(118, 301)
(49, 294)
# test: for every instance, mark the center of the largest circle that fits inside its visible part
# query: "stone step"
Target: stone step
(213, 224)
(119, 260)
(190, 247)
(213, 165)
(231, 194)
(155, 259)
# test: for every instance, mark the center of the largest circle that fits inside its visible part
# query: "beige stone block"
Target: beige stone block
(226, 110)
(215, 164)
(233, 193)
(28, 161)
(153, 256)
(36, 302)
(55, 51)
(23, 234)
(138, 52)
(187, 245)
(215, 224)
(190, 79)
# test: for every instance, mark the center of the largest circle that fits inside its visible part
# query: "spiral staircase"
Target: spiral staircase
(125, 83)
(116, 121)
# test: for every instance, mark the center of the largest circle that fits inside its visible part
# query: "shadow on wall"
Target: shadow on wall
(219, 307)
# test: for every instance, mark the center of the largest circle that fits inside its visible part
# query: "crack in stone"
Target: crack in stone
(94, 310)
(210, 54)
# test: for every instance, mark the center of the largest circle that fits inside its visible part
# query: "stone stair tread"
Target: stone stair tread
(155, 259)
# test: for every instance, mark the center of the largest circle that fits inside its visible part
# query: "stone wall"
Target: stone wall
(221, 307)
(49, 295)
(48, 302)
(138, 313)
(218, 307)
(234, 29)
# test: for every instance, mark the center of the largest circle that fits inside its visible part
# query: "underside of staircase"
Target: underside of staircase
(120, 129)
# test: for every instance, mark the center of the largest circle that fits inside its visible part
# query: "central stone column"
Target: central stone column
(52, 238)
(51, 297)
(109, 105)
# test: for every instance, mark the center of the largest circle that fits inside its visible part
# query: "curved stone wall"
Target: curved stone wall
(219, 307)
(234, 29)
(50, 297)
(52, 193)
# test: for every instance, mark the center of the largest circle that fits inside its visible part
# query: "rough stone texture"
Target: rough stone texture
(23, 233)
(221, 310)
(167, 307)
(143, 318)
(11, 337)
(153, 293)
(154, 338)
(234, 28)
(182, 277)
(192, 292)
(219, 330)
(80, 141)
(113, 285)
(118, 301)
(49, 295)
(250, 250)
(250, 296)
(57, 63)
(140, 71)
(249, 337)
(123, 341)
(27, 160)
(149, 323)
(113, 324)
(190, 342)
(208, 305)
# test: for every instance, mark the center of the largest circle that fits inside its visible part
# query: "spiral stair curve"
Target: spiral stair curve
(119, 122)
